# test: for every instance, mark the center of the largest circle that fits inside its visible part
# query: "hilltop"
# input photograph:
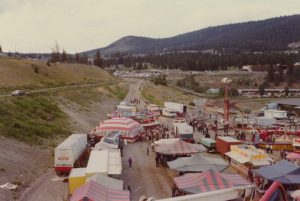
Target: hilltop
(280, 33)
(32, 74)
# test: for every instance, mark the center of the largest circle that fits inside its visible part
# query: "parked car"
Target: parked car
(18, 93)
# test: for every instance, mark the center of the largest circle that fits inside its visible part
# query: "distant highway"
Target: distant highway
(60, 88)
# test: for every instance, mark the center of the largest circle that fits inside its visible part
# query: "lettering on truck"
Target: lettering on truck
(63, 158)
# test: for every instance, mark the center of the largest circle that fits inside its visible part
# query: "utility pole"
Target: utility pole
(226, 83)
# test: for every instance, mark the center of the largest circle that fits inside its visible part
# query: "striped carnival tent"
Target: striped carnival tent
(209, 180)
(128, 128)
(180, 147)
(92, 191)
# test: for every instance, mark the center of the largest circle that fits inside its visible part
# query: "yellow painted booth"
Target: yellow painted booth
(76, 179)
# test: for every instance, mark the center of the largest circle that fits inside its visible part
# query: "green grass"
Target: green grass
(118, 91)
(152, 99)
(34, 119)
(21, 74)
(82, 96)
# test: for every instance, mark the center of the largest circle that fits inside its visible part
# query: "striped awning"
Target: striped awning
(129, 128)
(180, 147)
(208, 181)
(93, 191)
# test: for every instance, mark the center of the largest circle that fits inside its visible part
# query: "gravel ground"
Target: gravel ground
(144, 177)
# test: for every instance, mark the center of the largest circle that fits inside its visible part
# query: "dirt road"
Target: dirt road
(20, 164)
(46, 187)
(144, 177)
(134, 93)
(34, 91)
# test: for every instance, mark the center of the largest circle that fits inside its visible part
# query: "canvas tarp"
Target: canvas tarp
(209, 181)
(282, 171)
(128, 128)
(180, 147)
(106, 181)
(197, 163)
(96, 192)
(237, 157)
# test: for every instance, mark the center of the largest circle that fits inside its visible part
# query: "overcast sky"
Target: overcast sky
(79, 25)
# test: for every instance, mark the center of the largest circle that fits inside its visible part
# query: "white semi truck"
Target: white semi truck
(68, 152)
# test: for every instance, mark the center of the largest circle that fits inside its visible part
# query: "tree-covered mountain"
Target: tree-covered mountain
(264, 35)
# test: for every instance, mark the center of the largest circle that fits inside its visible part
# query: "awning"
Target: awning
(237, 157)
(180, 147)
(197, 163)
(260, 162)
(209, 181)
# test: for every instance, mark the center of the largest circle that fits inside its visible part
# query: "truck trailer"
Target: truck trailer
(70, 151)
(184, 131)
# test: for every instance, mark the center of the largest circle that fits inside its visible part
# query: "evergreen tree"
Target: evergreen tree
(0, 49)
(261, 89)
(286, 91)
(98, 60)
(64, 56)
(77, 58)
(270, 75)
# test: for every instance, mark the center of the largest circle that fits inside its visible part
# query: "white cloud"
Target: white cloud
(78, 25)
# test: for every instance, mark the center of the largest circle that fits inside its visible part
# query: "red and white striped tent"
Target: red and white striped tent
(92, 191)
(180, 147)
(209, 181)
(128, 128)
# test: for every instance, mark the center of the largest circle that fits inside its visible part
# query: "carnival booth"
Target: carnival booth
(283, 142)
(197, 163)
(106, 181)
(296, 145)
(180, 147)
(92, 191)
(246, 157)
(210, 180)
(223, 144)
(283, 171)
(128, 128)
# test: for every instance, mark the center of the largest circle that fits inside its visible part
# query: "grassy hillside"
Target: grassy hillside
(158, 94)
(32, 119)
(29, 74)
(39, 118)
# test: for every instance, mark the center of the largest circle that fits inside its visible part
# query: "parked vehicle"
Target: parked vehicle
(70, 153)
(276, 114)
(184, 131)
(168, 113)
(177, 107)
(223, 144)
(18, 93)
(208, 143)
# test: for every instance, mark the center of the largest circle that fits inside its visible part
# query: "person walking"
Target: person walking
(147, 151)
(130, 162)
(129, 189)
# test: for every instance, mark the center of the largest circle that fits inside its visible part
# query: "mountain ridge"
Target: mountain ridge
(263, 35)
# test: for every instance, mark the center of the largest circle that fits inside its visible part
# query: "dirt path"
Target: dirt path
(34, 91)
(144, 177)
(134, 92)
(20, 164)
(82, 121)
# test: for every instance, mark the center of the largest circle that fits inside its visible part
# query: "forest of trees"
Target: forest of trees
(279, 74)
(200, 61)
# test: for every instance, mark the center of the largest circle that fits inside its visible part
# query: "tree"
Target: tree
(77, 58)
(270, 75)
(64, 56)
(98, 60)
(286, 91)
(0, 49)
(261, 89)
(290, 74)
(55, 55)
